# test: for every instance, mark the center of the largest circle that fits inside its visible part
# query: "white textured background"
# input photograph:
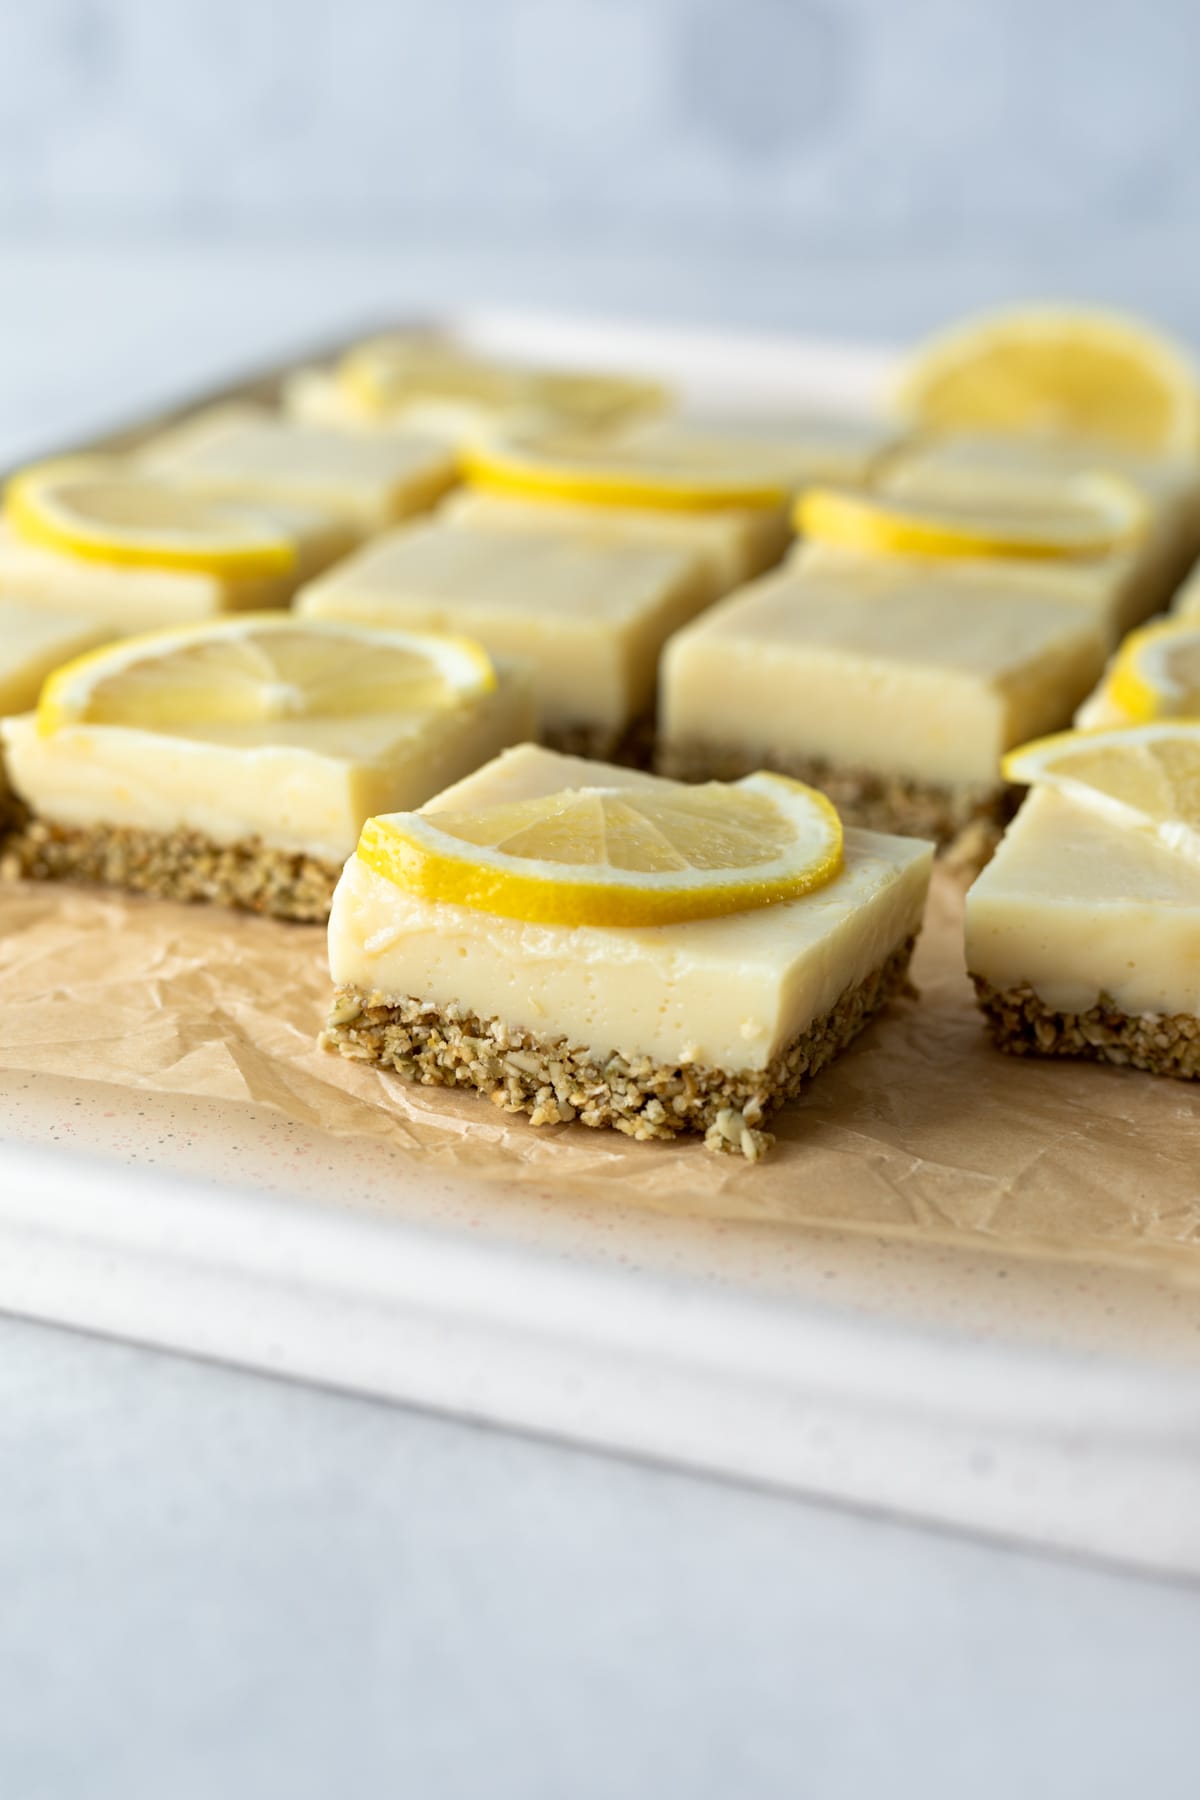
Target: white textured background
(1008, 143)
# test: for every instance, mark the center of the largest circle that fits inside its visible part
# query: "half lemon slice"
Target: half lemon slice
(1141, 776)
(673, 476)
(1156, 672)
(98, 509)
(617, 856)
(388, 374)
(256, 668)
(1090, 515)
(1057, 371)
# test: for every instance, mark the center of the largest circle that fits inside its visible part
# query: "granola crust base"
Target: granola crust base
(176, 865)
(967, 822)
(1022, 1025)
(631, 746)
(554, 1083)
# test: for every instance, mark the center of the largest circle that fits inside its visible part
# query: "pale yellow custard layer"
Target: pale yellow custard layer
(734, 543)
(304, 784)
(796, 452)
(33, 642)
(927, 668)
(366, 481)
(728, 993)
(1128, 585)
(1078, 907)
(128, 599)
(589, 617)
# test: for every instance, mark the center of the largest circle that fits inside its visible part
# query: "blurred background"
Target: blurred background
(216, 176)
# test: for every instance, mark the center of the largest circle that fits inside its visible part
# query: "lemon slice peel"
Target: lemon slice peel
(100, 511)
(1101, 513)
(691, 853)
(257, 667)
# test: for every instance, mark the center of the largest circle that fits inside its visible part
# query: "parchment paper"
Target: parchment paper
(921, 1130)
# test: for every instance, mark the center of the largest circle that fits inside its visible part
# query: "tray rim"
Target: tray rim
(53, 1247)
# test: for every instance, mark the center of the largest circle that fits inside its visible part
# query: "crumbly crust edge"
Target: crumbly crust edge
(966, 822)
(555, 1083)
(1021, 1024)
(249, 876)
(630, 746)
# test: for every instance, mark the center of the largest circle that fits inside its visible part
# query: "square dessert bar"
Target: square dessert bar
(734, 543)
(255, 815)
(1082, 939)
(1128, 584)
(365, 481)
(589, 615)
(696, 1027)
(797, 452)
(32, 644)
(129, 597)
(894, 683)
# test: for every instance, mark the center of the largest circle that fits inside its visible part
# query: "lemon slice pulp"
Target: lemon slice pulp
(1156, 672)
(1090, 516)
(1141, 776)
(99, 510)
(255, 668)
(672, 476)
(617, 856)
(387, 374)
(1057, 371)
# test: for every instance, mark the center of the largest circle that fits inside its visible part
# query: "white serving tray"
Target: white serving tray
(1049, 1402)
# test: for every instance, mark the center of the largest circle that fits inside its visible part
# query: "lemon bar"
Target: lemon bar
(32, 644)
(236, 761)
(366, 482)
(590, 616)
(796, 452)
(735, 543)
(419, 380)
(1129, 583)
(100, 538)
(895, 683)
(695, 1026)
(1081, 939)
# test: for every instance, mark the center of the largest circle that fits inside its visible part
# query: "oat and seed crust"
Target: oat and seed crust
(966, 821)
(1023, 1025)
(554, 1083)
(177, 865)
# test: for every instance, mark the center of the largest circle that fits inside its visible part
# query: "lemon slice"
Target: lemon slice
(258, 667)
(1142, 776)
(1057, 371)
(667, 476)
(1156, 672)
(98, 509)
(1093, 514)
(617, 856)
(387, 374)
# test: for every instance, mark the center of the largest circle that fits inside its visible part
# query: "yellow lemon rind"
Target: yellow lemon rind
(870, 523)
(59, 702)
(410, 852)
(27, 514)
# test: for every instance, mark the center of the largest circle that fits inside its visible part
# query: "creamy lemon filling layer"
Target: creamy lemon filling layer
(367, 481)
(33, 642)
(727, 993)
(923, 667)
(128, 598)
(734, 543)
(1076, 907)
(1128, 585)
(306, 785)
(795, 451)
(589, 617)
